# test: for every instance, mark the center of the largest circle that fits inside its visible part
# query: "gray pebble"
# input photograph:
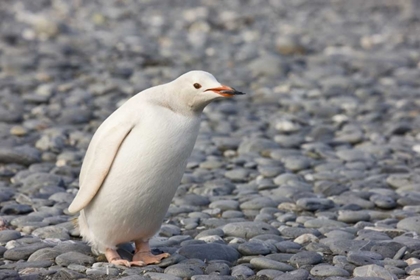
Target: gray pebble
(48, 254)
(288, 247)
(24, 155)
(388, 249)
(242, 271)
(299, 274)
(184, 270)
(7, 274)
(134, 277)
(294, 232)
(217, 268)
(208, 252)
(306, 258)
(317, 223)
(210, 232)
(23, 252)
(325, 270)
(258, 203)
(77, 246)
(270, 273)
(239, 174)
(343, 247)
(363, 258)
(382, 201)
(296, 163)
(248, 229)
(410, 224)
(16, 209)
(265, 263)
(7, 235)
(231, 214)
(161, 276)
(225, 204)
(374, 270)
(52, 232)
(314, 204)
(349, 216)
(253, 248)
(212, 277)
(256, 145)
(352, 155)
(73, 258)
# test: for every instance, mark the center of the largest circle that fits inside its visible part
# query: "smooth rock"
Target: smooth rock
(249, 229)
(73, 258)
(212, 251)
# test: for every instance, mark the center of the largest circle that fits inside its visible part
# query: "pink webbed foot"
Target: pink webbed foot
(144, 255)
(113, 257)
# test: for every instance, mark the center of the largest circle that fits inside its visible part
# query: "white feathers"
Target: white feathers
(136, 160)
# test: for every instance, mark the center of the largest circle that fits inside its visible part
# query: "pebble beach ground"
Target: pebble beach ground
(314, 174)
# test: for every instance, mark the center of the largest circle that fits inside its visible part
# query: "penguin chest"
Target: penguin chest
(145, 175)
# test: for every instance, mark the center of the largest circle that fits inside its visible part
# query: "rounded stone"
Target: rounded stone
(306, 258)
(74, 258)
(212, 251)
(184, 270)
(265, 263)
(249, 229)
(253, 248)
(325, 270)
(299, 274)
(410, 224)
(217, 268)
(374, 270)
(7, 235)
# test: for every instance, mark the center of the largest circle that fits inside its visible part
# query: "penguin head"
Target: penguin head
(198, 88)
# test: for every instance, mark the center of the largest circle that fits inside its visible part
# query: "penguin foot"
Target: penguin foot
(138, 263)
(149, 258)
(143, 254)
(113, 257)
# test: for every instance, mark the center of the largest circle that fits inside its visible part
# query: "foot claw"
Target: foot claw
(150, 258)
(121, 262)
(137, 263)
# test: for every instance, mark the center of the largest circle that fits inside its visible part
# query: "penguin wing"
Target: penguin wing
(99, 156)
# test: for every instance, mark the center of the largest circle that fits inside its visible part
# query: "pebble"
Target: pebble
(212, 251)
(7, 235)
(249, 229)
(183, 270)
(242, 271)
(218, 268)
(410, 224)
(23, 252)
(374, 270)
(23, 155)
(52, 232)
(212, 277)
(299, 274)
(306, 258)
(72, 257)
(265, 263)
(253, 248)
(314, 204)
(161, 276)
(48, 254)
(325, 270)
(349, 216)
(9, 274)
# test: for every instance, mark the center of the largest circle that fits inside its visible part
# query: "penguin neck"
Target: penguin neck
(176, 104)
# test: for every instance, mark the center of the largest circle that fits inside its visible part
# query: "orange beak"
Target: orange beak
(225, 91)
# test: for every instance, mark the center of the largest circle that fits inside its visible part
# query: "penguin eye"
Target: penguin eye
(197, 85)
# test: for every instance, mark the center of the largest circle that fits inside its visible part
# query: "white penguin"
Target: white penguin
(135, 162)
